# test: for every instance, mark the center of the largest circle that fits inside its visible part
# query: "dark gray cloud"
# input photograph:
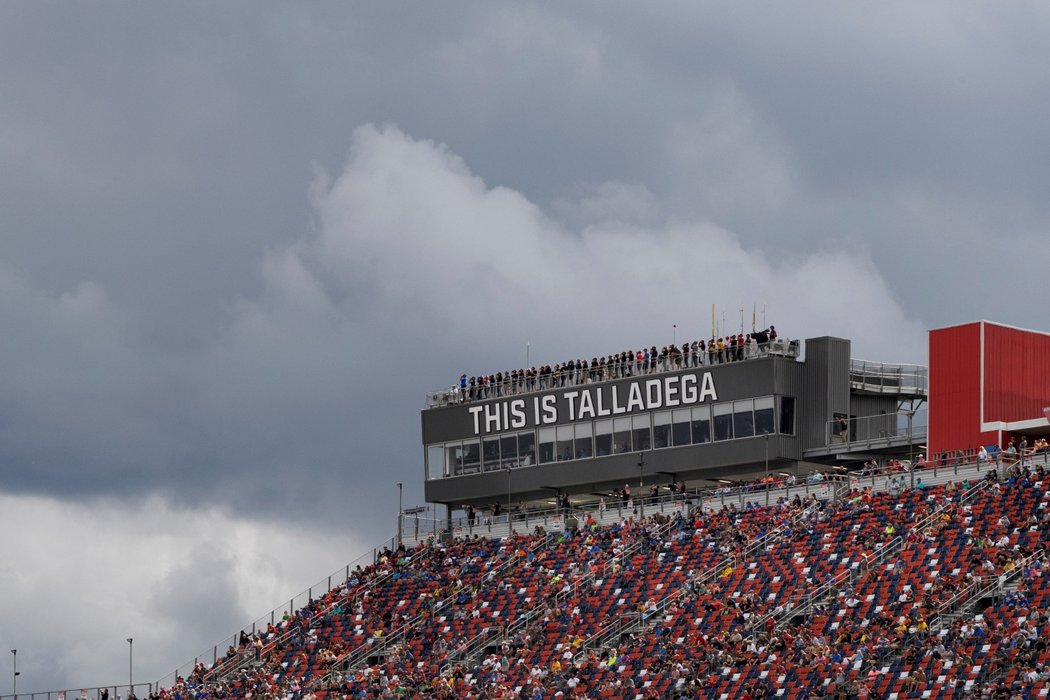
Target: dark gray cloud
(242, 241)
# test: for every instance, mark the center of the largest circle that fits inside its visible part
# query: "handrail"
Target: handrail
(630, 550)
(323, 587)
(632, 621)
(466, 651)
(863, 431)
(610, 371)
(695, 496)
(246, 656)
(354, 657)
(981, 587)
(893, 546)
(894, 376)
(484, 523)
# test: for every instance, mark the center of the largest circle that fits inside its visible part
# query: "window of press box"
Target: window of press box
(547, 453)
(622, 435)
(563, 446)
(508, 451)
(471, 456)
(526, 449)
(744, 418)
(516, 450)
(787, 415)
(603, 437)
(701, 420)
(680, 427)
(583, 440)
(764, 415)
(490, 454)
(661, 429)
(640, 429)
(461, 457)
(723, 421)
(454, 458)
(436, 462)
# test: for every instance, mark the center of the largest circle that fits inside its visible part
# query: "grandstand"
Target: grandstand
(858, 567)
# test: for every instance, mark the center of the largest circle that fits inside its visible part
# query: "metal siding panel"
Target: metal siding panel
(955, 389)
(811, 414)
(826, 387)
(1017, 374)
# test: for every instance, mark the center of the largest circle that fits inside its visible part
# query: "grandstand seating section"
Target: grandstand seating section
(802, 599)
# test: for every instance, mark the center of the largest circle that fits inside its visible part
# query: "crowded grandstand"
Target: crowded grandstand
(889, 569)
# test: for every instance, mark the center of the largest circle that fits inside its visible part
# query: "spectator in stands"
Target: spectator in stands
(731, 348)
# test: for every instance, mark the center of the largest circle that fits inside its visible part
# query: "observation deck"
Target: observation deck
(887, 379)
(604, 372)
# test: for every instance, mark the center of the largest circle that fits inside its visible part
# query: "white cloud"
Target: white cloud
(414, 233)
(79, 578)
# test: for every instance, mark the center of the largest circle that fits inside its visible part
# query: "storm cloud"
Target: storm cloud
(241, 242)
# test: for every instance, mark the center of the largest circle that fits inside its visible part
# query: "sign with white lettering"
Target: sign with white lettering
(590, 402)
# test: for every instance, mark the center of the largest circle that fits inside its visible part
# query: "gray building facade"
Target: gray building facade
(697, 424)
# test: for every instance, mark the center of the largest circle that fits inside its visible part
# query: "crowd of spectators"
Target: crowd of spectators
(629, 363)
(713, 603)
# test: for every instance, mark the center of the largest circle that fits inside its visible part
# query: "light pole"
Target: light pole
(14, 672)
(766, 436)
(508, 499)
(131, 674)
(641, 469)
(400, 512)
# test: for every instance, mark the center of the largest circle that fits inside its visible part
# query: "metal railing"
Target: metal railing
(114, 692)
(957, 465)
(980, 588)
(805, 603)
(610, 371)
(889, 378)
(378, 646)
(571, 588)
(864, 432)
(628, 623)
(759, 492)
(245, 656)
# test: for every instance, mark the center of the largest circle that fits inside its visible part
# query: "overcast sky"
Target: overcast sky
(241, 241)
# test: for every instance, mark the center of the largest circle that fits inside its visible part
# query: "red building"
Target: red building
(988, 383)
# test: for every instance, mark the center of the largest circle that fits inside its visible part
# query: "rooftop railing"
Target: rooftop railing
(609, 371)
(889, 378)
